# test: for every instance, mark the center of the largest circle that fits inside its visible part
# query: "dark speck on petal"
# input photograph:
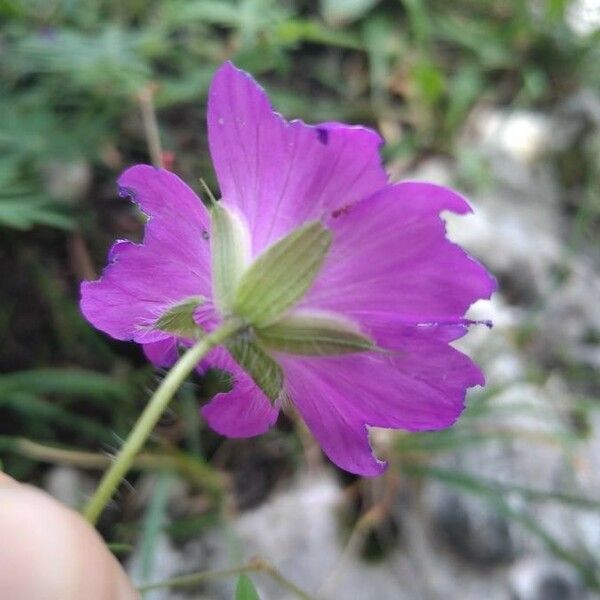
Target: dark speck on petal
(338, 212)
(322, 135)
(205, 235)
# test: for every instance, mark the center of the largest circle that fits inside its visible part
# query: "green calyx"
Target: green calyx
(261, 293)
(303, 333)
(179, 318)
(314, 334)
(281, 275)
(263, 369)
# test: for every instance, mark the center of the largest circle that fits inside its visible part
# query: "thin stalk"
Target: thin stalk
(150, 416)
(195, 470)
(254, 566)
(146, 99)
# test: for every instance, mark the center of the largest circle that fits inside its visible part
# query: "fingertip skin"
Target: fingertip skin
(6, 480)
(48, 552)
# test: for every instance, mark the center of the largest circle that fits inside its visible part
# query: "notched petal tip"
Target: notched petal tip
(477, 380)
(130, 179)
(373, 467)
(117, 250)
(161, 193)
(127, 193)
(435, 196)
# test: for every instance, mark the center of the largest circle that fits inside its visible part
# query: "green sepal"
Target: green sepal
(314, 334)
(281, 275)
(265, 372)
(230, 254)
(179, 318)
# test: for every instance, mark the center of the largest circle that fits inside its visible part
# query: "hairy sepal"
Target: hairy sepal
(179, 318)
(265, 372)
(281, 275)
(230, 250)
(314, 334)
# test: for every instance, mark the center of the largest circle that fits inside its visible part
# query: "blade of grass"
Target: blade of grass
(192, 469)
(66, 383)
(31, 406)
(154, 522)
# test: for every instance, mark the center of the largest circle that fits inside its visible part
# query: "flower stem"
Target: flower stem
(152, 413)
(256, 565)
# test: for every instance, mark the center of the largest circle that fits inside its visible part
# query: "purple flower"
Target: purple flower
(348, 288)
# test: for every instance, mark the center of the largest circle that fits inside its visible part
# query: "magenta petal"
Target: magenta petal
(173, 263)
(391, 265)
(178, 221)
(420, 387)
(243, 412)
(162, 353)
(278, 174)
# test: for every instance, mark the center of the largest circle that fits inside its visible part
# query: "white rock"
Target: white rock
(522, 135)
(541, 579)
(583, 16)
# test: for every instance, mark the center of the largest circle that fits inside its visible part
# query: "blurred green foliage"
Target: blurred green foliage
(70, 74)
(245, 590)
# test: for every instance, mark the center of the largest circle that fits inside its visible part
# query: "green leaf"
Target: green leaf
(420, 23)
(23, 208)
(281, 275)
(245, 590)
(67, 383)
(179, 319)
(28, 406)
(230, 249)
(314, 334)
(265, 372)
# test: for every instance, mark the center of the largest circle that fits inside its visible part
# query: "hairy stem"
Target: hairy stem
(256, 566)
(152, 413)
